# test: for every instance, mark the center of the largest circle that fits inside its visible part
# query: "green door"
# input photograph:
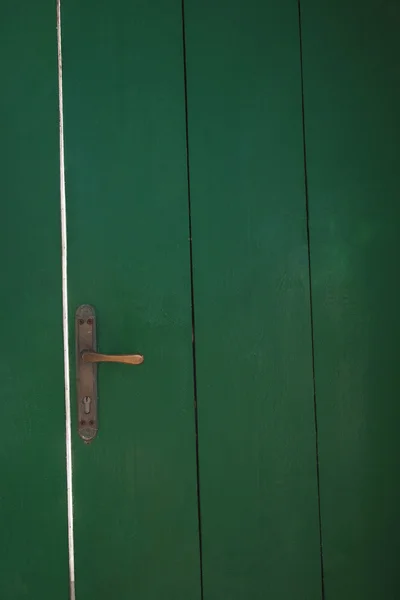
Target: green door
(147, 219)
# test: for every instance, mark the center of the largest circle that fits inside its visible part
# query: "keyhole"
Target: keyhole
(86, 404)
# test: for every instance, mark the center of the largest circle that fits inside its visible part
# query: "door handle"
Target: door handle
(87, 358)
(96, 357)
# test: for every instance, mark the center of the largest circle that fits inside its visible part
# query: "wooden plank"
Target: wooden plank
(352, 98)
(33, 512)
(136, 527)
(258, 483)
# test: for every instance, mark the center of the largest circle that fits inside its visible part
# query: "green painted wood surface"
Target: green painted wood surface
(253, 342)
(33, 550)
(352, 99)
(135, 500)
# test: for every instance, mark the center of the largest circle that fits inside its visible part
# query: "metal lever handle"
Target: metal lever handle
(95, 357)
(87, 358)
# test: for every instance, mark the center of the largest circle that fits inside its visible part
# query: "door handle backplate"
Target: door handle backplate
(87, 358)
(86, 373)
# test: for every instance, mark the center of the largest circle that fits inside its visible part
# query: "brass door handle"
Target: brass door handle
(87, 358)
(96, 357)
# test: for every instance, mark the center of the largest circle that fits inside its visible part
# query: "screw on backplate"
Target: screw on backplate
(81, 321)
(83, 422)
(91, 422)
(89, 321)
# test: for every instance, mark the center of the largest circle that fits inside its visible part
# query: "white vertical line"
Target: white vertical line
(68, 444)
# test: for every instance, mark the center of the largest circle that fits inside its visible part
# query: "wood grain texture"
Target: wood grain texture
(136, 528)
(253, 339)
(352, 99)
(33, 512)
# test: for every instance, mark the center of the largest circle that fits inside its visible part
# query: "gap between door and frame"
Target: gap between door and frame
(64, 264)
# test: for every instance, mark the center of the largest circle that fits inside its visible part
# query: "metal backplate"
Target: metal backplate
(86, 373)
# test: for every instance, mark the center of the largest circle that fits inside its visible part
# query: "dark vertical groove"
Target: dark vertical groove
(196, 416)
(311, 303)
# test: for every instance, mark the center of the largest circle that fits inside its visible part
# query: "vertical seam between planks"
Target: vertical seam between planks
(311, 302)
(196, 418)
(63, 217)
